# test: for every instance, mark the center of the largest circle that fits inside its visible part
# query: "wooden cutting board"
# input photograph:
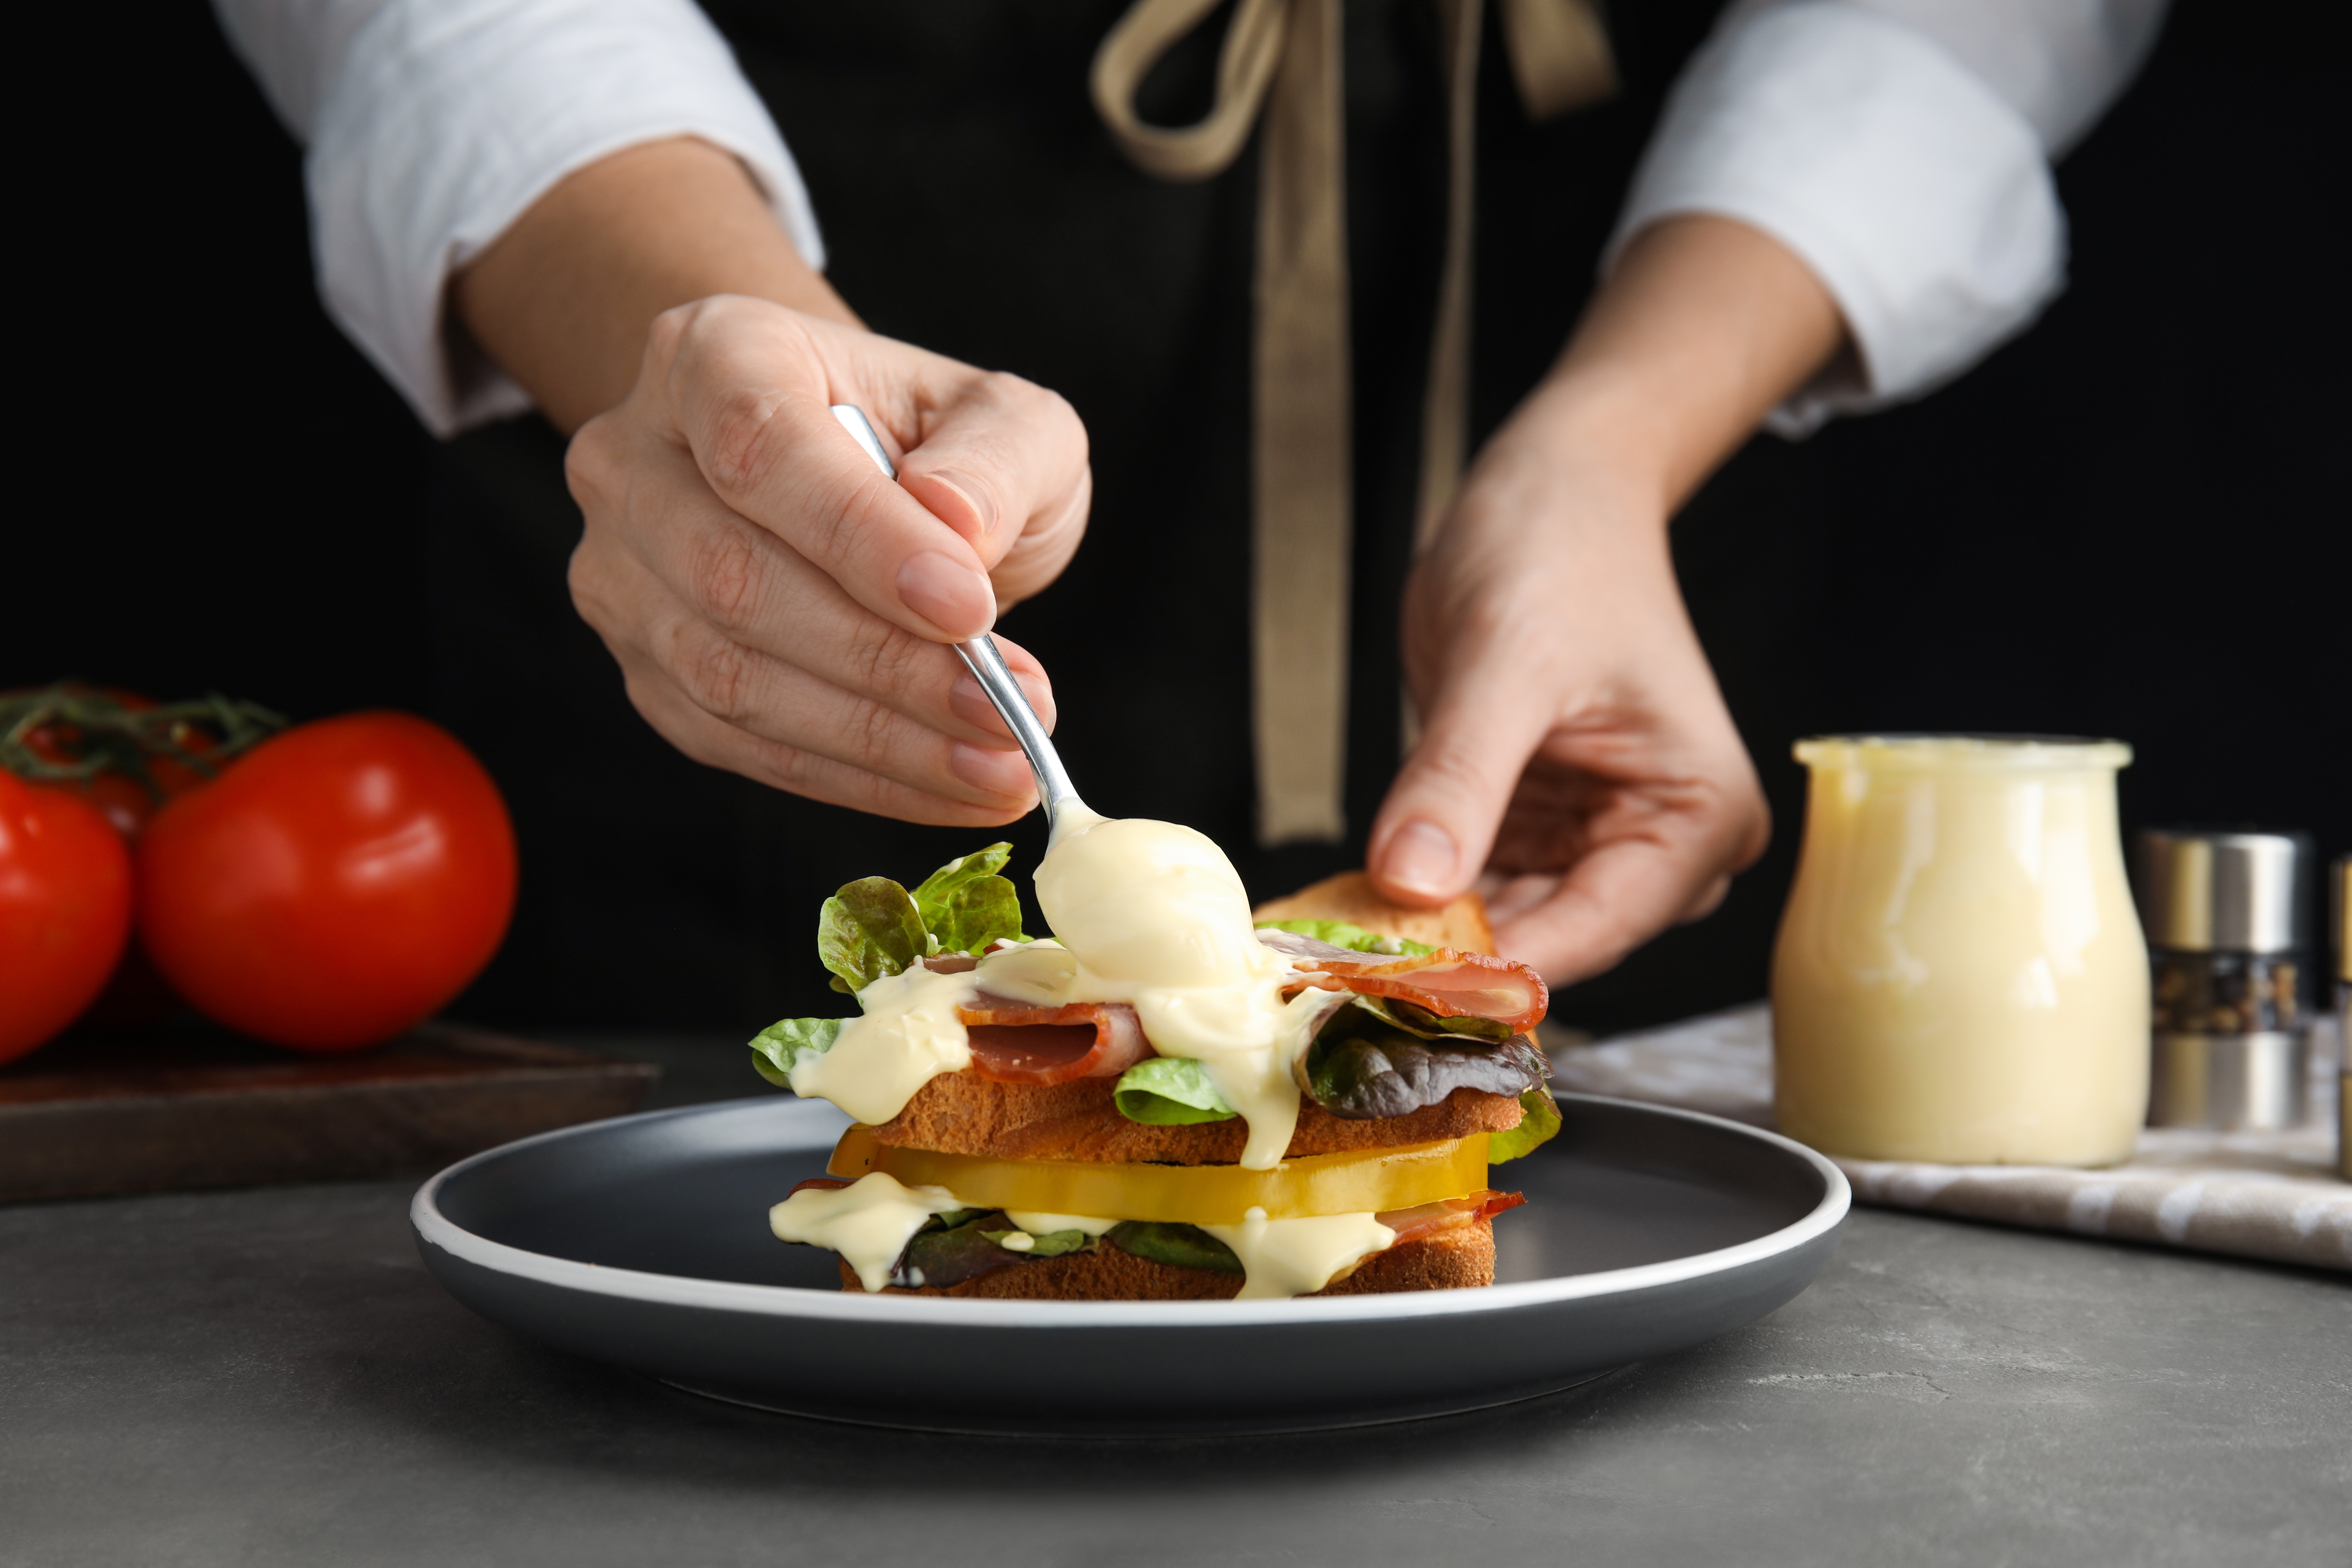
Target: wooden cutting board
(177, 1107)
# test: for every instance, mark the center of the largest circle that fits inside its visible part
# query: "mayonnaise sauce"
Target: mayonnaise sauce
(1149, 913)
(1156, 917)
(1959, 975)
(908, 1036)
(1047, 1224)
(1285, 1257)
(869, 1222)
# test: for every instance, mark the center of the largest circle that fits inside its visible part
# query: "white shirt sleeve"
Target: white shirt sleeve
(1902, 148)
(433, 124)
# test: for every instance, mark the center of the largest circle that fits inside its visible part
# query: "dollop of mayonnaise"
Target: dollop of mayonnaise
(869, 1222)
(1298, 1256)
(1155, 916)
(908, 1036)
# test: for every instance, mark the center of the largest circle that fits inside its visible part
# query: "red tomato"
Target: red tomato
(338, 885)
(65, 909)
(135, 994)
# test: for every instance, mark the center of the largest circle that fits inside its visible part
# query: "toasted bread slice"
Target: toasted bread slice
(1350, 897)
(1451, 1259)
(963, 1113)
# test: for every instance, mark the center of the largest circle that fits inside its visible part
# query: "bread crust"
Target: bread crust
(1450, 1260)
(1350, 897)
(963, 1113)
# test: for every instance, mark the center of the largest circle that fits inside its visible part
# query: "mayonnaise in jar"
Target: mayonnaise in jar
(1960, 975)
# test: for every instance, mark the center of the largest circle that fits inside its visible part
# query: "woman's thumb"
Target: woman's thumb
(1440, 818)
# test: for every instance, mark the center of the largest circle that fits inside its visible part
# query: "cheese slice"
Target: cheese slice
(1370, 1181)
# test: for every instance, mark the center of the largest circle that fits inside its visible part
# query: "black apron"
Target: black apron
(972, 203)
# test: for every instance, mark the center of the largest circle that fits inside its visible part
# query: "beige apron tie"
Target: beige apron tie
(1285, 56)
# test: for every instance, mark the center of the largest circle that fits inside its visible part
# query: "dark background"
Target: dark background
(2129, 522)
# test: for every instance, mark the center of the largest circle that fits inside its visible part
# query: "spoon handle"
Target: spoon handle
(987, 665)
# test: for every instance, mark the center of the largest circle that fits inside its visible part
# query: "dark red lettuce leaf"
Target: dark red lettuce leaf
(1363, 1067)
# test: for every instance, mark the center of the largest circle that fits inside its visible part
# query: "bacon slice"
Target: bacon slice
(1447, 1214)
(1015, 1043)
(1448, 983)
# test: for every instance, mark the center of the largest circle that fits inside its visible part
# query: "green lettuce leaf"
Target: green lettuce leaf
(1053, 1244)
(1355, 939)
(1183, 1246)
(779, 1047)
(1538, 1120)
(932, 897)
(1168, 1091)
(982, 911)
(868, 930)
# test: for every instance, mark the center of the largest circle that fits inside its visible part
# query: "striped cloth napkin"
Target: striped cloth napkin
(2273, 1195)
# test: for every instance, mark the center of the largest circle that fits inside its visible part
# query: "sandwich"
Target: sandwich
(1171, 1098)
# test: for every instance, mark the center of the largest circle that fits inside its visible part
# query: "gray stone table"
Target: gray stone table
(270, 1377)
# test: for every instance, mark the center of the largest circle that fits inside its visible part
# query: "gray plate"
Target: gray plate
(644, 1241)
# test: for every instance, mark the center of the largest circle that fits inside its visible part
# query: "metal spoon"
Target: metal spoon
(987, 665)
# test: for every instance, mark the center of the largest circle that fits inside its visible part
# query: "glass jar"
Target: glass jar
(1960, 975)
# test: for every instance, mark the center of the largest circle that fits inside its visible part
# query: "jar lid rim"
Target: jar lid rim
(1898, 749)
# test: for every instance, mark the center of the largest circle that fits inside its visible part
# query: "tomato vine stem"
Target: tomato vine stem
(71, 732)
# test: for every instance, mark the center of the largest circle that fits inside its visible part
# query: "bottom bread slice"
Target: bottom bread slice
(1451, 1259)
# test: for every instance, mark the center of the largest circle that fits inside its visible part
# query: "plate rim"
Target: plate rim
(435, 1228)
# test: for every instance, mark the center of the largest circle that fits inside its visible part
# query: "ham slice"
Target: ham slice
(818, 1185)
(1449, 984)
(1428, 1219)
(1015, 1043)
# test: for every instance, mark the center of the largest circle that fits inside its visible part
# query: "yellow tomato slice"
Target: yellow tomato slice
(1369, 1182)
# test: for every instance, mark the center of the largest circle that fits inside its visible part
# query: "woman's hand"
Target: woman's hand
(1576, 762)
(778, 607)
(1577, 758)
(781, 609)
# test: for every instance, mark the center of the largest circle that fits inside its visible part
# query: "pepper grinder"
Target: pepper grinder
(2223, 914)
(2339, 887)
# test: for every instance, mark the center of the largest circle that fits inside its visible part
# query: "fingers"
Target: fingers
(726, 592)
(971, 701)
(677, 659)
(712, 741)
(750, 393)
(1001, 461)
(1434, 831)
(779, 606)
(1604, 847)
(1656, 864)
(990, 464)
(1038, 556)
